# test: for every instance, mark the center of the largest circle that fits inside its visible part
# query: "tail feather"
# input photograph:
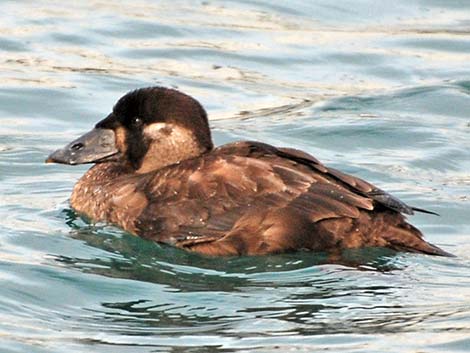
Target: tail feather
(428, 249)
(424, 211)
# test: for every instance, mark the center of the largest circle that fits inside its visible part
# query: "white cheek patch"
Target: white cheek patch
(156, 130)
(170, 132)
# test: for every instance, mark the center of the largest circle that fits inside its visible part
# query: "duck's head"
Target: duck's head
(148, 129)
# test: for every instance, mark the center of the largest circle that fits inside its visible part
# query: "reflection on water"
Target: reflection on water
(378, 90)
(299, 295)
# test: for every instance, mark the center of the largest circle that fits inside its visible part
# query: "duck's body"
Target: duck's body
(244, 198)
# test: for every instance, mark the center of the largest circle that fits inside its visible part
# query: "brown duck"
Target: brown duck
(157, 175)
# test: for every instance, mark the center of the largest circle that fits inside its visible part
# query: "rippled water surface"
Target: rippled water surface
(379, 89)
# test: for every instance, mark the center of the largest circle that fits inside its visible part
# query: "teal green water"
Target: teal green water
(379, 90)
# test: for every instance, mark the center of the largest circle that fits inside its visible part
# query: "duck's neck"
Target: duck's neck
(163, 154)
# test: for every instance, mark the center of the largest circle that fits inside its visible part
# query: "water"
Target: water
(379, 90)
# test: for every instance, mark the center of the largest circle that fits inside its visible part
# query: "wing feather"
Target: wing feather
(206, 199)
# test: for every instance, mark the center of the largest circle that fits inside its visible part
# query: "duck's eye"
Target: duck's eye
(136, 121)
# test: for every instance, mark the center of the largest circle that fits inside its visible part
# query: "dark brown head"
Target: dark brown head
(149, 128)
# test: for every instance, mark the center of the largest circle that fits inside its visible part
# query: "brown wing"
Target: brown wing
(248, 193)
(353, 183)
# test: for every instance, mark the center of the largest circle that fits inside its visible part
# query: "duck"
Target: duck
(156, 174)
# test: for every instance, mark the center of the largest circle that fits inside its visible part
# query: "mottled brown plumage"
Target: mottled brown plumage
(162, 180)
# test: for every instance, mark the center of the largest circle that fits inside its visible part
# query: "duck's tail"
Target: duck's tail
(405, 237)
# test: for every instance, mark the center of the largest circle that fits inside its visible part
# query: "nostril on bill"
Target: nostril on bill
(77, 146)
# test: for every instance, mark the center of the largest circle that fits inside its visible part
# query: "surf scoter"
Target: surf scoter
(158, 176)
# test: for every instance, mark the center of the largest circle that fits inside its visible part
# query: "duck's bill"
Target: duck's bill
(96, 146)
